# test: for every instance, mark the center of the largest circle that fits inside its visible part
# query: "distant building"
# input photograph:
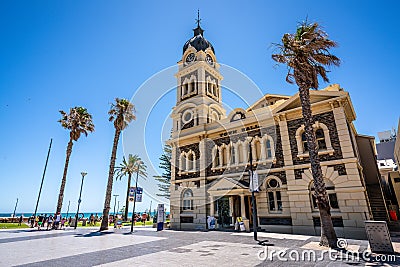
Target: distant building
(388, 164)
(210, 156)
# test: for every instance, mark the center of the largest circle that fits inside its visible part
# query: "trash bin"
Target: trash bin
(246, 224)
(393, 215)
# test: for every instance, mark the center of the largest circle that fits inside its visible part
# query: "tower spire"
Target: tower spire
(198, 30)
(198, 20)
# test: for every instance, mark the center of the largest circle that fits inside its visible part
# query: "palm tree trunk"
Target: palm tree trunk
(64, 178)
(328, 235)
(127, 197)
(107, 201)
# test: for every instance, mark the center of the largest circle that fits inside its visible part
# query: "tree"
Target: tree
(121, 114)
(78, 122)
(164, 180)
(306, 54)
(128, 168)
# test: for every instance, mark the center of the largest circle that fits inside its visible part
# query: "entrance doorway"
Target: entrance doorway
(224, 220)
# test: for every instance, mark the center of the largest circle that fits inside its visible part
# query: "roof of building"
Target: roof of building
(386, 150)
(198, 41)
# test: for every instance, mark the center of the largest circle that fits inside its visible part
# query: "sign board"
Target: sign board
(378, 237)
(131, 194)
(139, 193)
(132, 191)
(160, 213)
(253, 182)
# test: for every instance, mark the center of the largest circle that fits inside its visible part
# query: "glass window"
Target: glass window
(274, 196)
(320, 137)
(304, 142)
(333, 201)
(187, 203)
(269, 149)
(271, 201)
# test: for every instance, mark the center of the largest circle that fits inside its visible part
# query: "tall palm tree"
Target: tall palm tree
(306, 54)
(78, 122)
(121, 113)
(128, 168)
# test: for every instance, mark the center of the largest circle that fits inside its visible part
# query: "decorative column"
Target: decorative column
(231, 209)
(242, 206)
(212, 210)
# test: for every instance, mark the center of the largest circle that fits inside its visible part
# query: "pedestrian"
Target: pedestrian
(44, 220)
(63, 220)
(91, 219)
(144, 218)
(20, 219)
(69, 221)
(40, 221)
(57, 220)
(50, 222)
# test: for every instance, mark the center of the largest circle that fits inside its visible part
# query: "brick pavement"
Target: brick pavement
(145, 247)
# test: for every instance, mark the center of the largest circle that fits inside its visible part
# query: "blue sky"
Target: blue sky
(59, 54)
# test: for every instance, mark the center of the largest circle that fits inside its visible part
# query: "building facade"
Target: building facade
(211, 152)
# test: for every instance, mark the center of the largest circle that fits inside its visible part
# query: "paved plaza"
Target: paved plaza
(147, 247)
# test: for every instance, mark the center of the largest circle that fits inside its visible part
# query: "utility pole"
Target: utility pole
(253, 198)
(41, 184)
(79, 200)
(134, 200)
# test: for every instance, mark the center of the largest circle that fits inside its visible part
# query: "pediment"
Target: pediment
(315, 97)
(226, 184)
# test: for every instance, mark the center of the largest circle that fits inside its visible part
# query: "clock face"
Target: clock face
(209, 59)
(190, 57)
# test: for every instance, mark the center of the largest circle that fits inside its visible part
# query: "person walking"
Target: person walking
(50, 222)
(57, 220)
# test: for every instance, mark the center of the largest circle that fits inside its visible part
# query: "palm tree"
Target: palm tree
(306, 54)
(78, 122)
(128, 168)
(121, 113)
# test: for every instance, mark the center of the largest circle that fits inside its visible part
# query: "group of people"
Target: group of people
(93, 219)
(50, 222)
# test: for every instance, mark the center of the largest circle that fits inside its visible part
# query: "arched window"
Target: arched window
(190, 162)
(193, 85)
(330, 189)
(232, 154)
(187, 200)
(268, 149)
(240, 152)
(223, 156)
(304, 142)
(257, 148)
(215, 156)
(320, 137)
(182, 162)
(274, 196)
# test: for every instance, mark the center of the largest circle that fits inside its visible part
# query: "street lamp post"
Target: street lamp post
(134, 200)
(253, 198)
(79, 200)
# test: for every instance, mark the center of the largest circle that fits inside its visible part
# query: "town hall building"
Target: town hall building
(211, 153)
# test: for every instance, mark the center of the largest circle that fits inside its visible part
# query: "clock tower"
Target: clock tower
(198, 85)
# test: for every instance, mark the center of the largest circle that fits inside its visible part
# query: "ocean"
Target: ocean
(64, 214)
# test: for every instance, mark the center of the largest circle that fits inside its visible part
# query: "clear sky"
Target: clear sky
(59, 54)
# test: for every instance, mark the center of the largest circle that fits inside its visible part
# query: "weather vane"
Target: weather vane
(198, 20)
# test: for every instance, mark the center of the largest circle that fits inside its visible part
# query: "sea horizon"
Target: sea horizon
(64, 214)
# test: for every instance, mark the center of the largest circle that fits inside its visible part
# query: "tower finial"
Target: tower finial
(198, 20)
